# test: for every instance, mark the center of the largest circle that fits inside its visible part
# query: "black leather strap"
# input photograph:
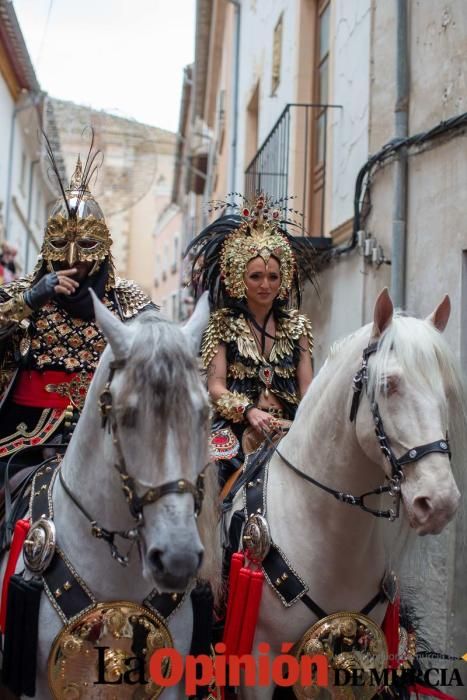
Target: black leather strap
(165, 604)
(278, 571)
(417, 453)
(65, 589)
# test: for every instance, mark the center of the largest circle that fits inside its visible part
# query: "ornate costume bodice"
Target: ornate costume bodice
(248, 372)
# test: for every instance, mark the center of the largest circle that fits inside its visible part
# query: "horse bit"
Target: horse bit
(360, 384)
(136, 503)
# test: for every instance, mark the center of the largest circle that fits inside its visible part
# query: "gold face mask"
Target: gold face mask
(72, 241)
(76, 230)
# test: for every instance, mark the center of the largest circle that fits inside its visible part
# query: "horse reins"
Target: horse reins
(136, 503)
(360, 384)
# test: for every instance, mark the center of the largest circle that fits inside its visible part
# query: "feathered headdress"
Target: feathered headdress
(222, 251)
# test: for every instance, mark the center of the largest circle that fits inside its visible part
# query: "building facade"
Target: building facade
(25, 193)
(133, 184)
(357, 109)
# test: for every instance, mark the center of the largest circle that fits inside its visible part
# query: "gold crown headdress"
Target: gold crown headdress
(254, 229)
(257, 236)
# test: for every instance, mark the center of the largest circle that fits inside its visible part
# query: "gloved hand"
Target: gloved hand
(48, 286)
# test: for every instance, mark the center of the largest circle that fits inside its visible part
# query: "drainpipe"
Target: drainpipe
(401, 114)
(236, 80)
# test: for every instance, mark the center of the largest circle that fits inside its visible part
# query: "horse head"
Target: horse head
(415, 399)
(157, 415)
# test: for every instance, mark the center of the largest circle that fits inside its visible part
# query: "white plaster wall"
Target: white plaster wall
(258, 20)
(6, 110)
(436, 241)
(335, 309)
(350, 84)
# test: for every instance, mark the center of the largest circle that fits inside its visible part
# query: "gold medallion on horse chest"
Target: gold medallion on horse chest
(92, 656)
(256, 538)
(357, 655)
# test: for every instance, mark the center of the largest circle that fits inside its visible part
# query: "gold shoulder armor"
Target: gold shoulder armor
(213, 336)
(131, 297)
(298, 325)
(13, 308)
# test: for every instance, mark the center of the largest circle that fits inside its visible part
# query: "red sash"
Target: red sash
(34, 388)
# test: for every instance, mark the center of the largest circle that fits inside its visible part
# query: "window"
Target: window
(322, 77)
(38, 208)
(22, 177)
(157, 270)
(276, 56)
(320, 96)
(174, 309)
(252, 124)
(175, 255)
(165, 263)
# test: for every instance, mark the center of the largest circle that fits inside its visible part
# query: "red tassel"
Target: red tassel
(390, 628)
(19, 535)
(430, 692)
(232, 633)
(250, 617)
(236, 564)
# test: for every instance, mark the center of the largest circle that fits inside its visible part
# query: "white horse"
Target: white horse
(337, 549)
(161, 414)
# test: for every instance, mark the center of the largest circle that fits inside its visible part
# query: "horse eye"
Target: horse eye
(389, 385)
(128, 417)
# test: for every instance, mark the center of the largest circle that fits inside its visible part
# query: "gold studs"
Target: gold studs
(58, 593)
(66, 586)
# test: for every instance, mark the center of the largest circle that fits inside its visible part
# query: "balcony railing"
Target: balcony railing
(301, 132)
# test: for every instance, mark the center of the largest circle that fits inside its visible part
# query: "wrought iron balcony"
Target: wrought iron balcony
(292, 161)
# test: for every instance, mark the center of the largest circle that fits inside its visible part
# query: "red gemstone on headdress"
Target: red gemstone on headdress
(246, 212)
(275, 214)
(267, 373)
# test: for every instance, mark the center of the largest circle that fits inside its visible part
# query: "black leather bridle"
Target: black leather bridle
(393, 487)
(136, 503)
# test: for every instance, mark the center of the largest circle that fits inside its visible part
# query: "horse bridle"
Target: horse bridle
(360, 385)
(136, 503)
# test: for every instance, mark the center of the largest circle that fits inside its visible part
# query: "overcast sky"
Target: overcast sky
(124, 56)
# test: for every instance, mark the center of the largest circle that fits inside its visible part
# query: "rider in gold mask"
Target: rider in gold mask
(49, 343)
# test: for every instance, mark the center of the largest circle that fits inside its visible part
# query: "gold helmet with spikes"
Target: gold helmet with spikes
(76, 230)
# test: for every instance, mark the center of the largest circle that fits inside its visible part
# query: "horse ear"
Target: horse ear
(382, 315)
(116, 333)
(440, 316)
(196, 324)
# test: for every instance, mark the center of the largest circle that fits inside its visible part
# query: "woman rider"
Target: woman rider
(257, 347)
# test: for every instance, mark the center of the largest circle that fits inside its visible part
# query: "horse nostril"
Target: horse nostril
(155, 558)
(200, 559)
(422, 507)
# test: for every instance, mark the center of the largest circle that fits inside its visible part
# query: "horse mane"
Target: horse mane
(163, 367)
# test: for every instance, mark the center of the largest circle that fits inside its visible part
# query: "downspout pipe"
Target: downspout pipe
(401, 123)
(236, 81)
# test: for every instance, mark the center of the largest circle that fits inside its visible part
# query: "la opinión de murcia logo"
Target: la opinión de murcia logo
(167, 668)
